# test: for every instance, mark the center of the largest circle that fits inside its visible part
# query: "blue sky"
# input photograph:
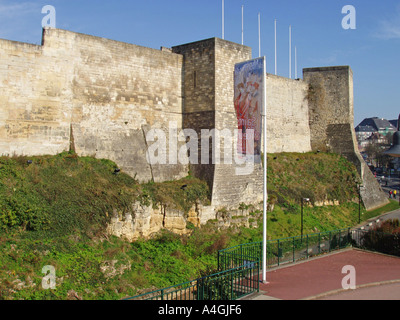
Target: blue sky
(372, 50)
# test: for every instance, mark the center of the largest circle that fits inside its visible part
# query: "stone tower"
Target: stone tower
(331, 114)
(208, 104)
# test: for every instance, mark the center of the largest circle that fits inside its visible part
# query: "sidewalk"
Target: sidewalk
(377, 276)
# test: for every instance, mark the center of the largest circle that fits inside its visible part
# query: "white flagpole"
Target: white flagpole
(276, 57)
(223, 19)
(259, 34)
(290, 52)
(264, 262)
(242, 24)
(295, 62)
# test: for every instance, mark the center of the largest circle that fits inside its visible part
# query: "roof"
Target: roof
(365, 129)
(394, 122)
(379, 124)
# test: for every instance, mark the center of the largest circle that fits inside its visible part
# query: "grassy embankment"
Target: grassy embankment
(53, 212)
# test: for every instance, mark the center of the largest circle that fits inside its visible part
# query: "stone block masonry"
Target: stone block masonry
(208, 104)
(103, 93)
(331, 109)
(101, 98)
(287, 111)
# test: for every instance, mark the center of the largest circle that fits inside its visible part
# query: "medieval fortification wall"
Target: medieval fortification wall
(102, 97)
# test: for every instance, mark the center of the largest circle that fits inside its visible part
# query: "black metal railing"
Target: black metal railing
(230, 284)
(287, 250)
(377, 241)
(240, 266)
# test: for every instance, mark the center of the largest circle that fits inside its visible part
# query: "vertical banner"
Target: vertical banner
(250, 84)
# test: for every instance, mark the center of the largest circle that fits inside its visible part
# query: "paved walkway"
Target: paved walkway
(377, 276)
(373, 221)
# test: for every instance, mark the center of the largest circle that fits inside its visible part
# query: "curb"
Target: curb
(339, 291)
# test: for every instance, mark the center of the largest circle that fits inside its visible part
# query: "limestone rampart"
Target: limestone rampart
(102, 97)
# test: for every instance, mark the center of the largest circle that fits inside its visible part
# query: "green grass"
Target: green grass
(391, 206)
(53, 212)
(319, 177)
(66, 194)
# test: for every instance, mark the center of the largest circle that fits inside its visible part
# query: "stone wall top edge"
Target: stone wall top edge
(270, 75)
(22, 44)
(327, 69)
(231, 43)
(205, 42)
(213, 40)
(47, 31)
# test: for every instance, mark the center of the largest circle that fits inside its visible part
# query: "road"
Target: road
(389, 184)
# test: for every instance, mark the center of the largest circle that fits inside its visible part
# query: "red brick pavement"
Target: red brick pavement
(324, 274)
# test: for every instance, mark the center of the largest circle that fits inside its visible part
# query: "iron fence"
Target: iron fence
(287, 250)
(377, 241)
(239, 266)
(230, 284)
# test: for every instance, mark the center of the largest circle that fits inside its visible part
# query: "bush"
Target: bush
(384, 238)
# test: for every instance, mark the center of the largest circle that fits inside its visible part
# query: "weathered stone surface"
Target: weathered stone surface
(102, 97)
(288, 128)
(108, 92)
(331, 105)
(144, 221)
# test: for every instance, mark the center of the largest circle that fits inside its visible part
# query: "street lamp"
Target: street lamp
(359, 202)
(394, 151)
(302, 204)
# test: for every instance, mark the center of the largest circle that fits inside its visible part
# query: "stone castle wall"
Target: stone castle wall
(103, 93)
(287, 115)
(102, 97)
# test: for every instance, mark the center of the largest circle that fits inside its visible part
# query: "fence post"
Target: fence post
(294, 248)
(319, 243)
(307, 245)
(260, 257)
(231, 284)
(278, 255)
(200, 289)
(241, 255)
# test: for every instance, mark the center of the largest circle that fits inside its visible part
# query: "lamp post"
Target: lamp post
(302, 204)
(359, 202)
(394, 151)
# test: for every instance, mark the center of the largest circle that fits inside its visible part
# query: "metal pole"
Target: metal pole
(242, 25)
(293, 249)
(279, 260)
(301, 219)
(265, 177)
(359, 204)
(223, 19)
(259, 34)
(276, 57)
(290, 52)
(295, 62)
